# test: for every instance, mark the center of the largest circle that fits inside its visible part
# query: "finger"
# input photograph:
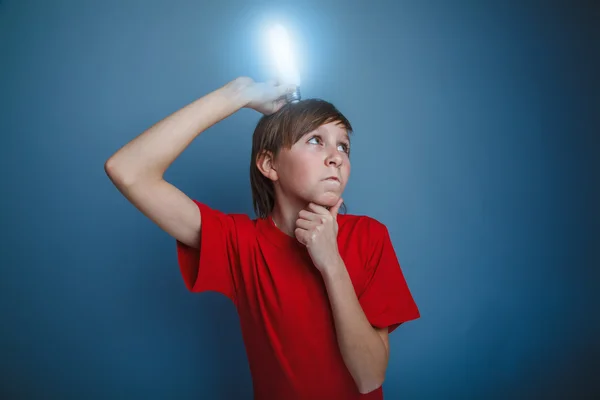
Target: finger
(309, 215)
(334, 210)
(278, 104)
(305, 224)
(318, 209)
(285, 89)
(301, 235)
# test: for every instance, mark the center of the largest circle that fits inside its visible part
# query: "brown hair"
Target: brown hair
(283, 129)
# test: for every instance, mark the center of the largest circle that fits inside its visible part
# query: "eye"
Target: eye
(314, 140)
(345, 147)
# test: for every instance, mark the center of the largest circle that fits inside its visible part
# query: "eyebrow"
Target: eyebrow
(345, 136)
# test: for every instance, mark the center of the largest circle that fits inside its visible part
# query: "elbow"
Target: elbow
(117, 175)
(114, 174)
(368, 386)
(124, 176)
(111, 169)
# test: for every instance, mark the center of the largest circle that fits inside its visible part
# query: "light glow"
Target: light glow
(283, 56)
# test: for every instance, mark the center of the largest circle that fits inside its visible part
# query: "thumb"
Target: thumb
(334, 210)
(285, 89)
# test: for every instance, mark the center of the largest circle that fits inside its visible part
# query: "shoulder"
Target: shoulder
(362, 234)
(362, 240)
(244, 224)
(218, 221)
(352, 224)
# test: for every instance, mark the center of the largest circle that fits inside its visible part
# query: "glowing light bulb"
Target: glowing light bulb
(283, 55)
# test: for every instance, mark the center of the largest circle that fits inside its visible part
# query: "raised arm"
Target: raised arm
(137, 169)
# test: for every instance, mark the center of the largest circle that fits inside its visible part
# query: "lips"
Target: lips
(332, 178)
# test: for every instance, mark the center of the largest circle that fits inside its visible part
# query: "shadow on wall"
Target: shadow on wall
(202, 346)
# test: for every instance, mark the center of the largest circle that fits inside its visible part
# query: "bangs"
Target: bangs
(300, 127)
(294, 120)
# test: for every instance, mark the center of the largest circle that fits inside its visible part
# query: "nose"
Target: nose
(334, 158)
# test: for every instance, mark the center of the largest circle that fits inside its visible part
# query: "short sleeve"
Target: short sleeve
(386, 300)
(210, 268)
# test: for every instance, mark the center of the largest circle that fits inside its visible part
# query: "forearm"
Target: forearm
(362, 348)
(152, 152)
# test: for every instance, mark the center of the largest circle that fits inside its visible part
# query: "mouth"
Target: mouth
(332, 179)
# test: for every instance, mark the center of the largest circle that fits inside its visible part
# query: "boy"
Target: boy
(316, 292)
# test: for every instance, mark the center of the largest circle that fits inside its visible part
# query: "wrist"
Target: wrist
(334, 271)
(237, 90)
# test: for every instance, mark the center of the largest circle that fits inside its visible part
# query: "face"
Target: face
(316, 168)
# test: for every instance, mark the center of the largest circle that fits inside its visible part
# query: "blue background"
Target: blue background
(477, 142)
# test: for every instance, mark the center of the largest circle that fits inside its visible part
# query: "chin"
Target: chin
(327, 199)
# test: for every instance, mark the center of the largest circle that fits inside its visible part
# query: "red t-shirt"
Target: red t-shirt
(285, 315)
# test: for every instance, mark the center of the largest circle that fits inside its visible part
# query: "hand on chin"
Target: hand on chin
(317, 228)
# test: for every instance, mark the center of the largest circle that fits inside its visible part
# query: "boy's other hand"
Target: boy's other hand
(265, 97)
(317, 229)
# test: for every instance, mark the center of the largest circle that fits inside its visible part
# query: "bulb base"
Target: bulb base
(294, 97)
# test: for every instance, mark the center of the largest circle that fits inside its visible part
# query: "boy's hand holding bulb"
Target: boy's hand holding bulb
(265, 97)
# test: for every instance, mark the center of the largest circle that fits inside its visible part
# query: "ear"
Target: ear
(265, 162)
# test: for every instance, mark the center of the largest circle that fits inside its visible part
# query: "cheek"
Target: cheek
(303, 169)
(298, 169)
(305, 161)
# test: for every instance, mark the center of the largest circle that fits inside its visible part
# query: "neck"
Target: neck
(284, 217)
